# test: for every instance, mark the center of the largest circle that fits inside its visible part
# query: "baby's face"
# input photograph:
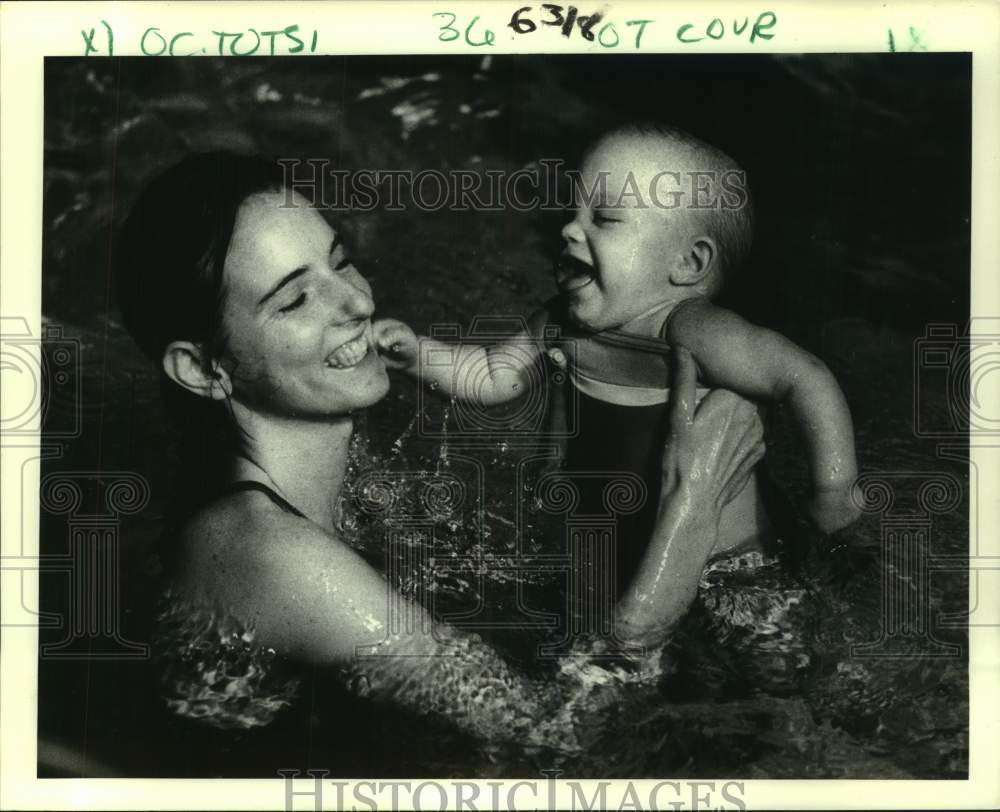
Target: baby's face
(619, 249)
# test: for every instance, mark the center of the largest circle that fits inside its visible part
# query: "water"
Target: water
(764, 678)
(760, 680)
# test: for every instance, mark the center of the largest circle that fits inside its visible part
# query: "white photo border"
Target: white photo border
(29, 31)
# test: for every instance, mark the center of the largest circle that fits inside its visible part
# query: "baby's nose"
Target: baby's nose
(571, 232)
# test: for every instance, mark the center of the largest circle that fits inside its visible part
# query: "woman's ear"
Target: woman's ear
(184, 363)
(695, 266)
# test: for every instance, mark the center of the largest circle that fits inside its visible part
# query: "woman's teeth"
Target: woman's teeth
(349, 354)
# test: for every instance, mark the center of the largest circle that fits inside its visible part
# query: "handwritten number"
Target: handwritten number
(520, 25)
(571, 13)
(449, 33)
(488, 37)
(587, 25)
(446, 28)
(568, 17)
(567, 22)
(555, 11)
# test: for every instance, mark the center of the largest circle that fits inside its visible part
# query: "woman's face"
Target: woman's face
(297, 315)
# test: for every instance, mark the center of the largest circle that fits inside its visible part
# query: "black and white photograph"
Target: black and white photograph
(507, 415)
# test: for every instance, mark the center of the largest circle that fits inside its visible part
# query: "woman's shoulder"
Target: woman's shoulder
(234, 544)
(303, 590)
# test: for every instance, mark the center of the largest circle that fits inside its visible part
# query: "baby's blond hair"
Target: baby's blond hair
(731, 227)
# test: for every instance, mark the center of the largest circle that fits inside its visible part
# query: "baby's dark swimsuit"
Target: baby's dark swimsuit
(611, 405)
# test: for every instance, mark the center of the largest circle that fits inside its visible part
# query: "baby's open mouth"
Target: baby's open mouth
(572, 273)
(349, 354)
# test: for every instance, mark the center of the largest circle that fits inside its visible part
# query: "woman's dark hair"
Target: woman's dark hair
(168, 266)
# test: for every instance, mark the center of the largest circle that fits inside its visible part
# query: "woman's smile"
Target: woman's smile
(299, 314)
(352, 352)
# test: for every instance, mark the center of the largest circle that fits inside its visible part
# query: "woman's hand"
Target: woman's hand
(397, 344)
(711, 448)
(710, 453)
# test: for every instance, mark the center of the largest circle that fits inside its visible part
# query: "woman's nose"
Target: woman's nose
(354, 296)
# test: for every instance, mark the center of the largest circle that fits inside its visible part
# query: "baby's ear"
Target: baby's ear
(695, 266)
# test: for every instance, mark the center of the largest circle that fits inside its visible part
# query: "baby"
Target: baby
(644, 257)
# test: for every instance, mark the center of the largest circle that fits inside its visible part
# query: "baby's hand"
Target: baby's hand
(832, 508)
(397, 344)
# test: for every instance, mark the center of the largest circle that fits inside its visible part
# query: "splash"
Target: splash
(443, 461)
(214, 670)
(396, 451)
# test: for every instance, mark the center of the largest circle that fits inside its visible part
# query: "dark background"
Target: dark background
(860, 167)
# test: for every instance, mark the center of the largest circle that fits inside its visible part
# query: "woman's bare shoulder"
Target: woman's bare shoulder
(229, 548)
(304, 590)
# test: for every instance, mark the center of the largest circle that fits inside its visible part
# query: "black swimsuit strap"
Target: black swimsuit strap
(252, 485)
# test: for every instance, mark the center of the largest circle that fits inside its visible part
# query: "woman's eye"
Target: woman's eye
(603, 218)
(299, 301)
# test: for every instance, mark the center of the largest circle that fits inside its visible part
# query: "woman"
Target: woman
(262, 329)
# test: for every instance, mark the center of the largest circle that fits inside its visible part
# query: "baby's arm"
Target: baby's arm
(481, 374)
(755, 362)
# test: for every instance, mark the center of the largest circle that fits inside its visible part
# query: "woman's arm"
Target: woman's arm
(710, 453)
(314, 599)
